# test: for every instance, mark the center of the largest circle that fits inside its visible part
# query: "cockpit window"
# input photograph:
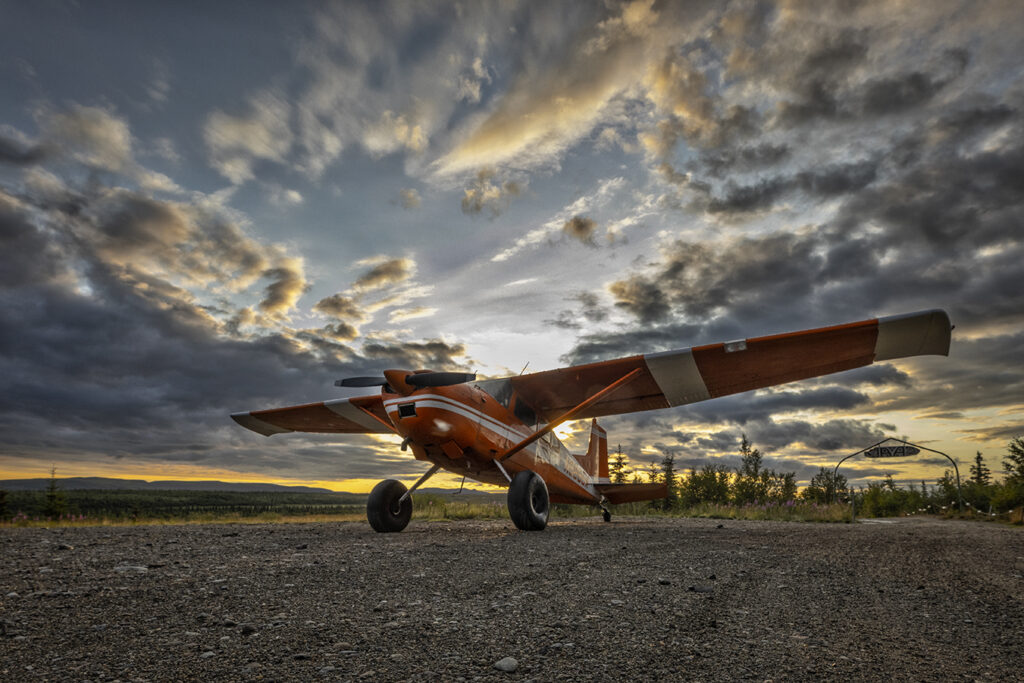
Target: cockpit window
(524, 412)
(500, 389)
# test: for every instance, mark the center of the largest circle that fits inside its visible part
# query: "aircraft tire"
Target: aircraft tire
(528, 502)
(607, 516)
(383, 510)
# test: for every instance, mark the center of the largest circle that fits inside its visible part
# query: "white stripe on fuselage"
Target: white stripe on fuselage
(557, 456)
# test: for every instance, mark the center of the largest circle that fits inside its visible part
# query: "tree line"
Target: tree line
(751, 483)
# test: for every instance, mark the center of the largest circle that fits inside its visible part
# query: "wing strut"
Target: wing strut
(622, 381)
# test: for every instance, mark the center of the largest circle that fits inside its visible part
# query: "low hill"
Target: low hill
(111, 483)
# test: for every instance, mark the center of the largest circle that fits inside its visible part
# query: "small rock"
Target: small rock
(300, 656)
(302, 547)
(368, 674)
(720, 526)
(208, 654)
(65, 546)
(247, 629)
(507, 664)
(131, 569)
(12, 594)
(701, 589)
(229, 623)
(664, 582)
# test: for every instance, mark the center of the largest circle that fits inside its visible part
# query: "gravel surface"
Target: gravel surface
(637, 599)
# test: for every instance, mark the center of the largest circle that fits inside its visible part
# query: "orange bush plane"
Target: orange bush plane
(500, 431)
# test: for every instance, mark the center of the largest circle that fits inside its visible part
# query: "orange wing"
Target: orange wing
(359, 415)
(695, 374)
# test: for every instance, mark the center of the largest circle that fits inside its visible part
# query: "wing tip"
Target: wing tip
(923, 333)
(257, 425)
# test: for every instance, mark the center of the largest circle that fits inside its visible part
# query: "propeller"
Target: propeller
(361, 382)
(416, 379)
(439, 379)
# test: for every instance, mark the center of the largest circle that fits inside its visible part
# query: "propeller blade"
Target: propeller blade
(361, 382)
(439, 379)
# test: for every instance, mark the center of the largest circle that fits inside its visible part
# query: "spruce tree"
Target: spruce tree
(1014, 462)
(668, 475)
(54, 506)
(980, 474)
(617, 468)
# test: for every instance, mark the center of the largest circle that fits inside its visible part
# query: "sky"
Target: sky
(214, 207)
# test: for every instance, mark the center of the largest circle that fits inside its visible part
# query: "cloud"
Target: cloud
(486, 194)
(434, 354)
(403, 314)
(590, 309)
(566, 91)
(581, 228)
(287, 284)
(339, 306)
(409, 198)
(237, 143)
(606, 190)
(13, 151)
(93, 136)
(393, 132)
(383, 272)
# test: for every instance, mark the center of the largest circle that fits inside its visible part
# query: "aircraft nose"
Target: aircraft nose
(422, 423)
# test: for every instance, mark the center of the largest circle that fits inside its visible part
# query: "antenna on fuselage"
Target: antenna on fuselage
(524, 367)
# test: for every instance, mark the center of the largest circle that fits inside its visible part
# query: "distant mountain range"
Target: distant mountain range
(111, 483)
(93, 483)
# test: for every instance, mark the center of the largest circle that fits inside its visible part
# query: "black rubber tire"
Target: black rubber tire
(383, 510)
(528, 502)
(607, 515)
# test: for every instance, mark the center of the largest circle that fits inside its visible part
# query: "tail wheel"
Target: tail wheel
(528, 503)
(607, 515)
(383, 509)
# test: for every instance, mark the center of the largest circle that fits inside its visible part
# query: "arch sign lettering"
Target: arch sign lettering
(891, 451)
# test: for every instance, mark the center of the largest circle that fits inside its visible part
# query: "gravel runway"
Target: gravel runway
(637, 599)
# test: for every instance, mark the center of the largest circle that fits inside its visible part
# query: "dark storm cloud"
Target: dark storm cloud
(13, 152)
(432, 354)
(824, 84)
(27, 257)
(696, 278)
(643, 298)
(824, 182)
(104, 357)
(719, 162)
(589, 309)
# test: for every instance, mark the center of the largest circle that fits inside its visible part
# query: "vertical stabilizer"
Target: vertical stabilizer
(595, 462)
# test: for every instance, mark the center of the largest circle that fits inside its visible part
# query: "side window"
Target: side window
(524, 412)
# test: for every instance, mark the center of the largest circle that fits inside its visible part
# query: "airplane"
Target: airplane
(500, 431)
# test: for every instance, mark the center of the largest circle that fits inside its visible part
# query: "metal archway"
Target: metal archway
(959, 493)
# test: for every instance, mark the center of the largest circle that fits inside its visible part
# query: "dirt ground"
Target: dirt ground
(636, 599)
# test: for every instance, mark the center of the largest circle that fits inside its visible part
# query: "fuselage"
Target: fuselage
(464, 428)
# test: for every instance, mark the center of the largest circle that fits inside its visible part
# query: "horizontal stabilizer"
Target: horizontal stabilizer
(631, 493)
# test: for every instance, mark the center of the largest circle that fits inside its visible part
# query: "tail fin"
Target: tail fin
(595, 462)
